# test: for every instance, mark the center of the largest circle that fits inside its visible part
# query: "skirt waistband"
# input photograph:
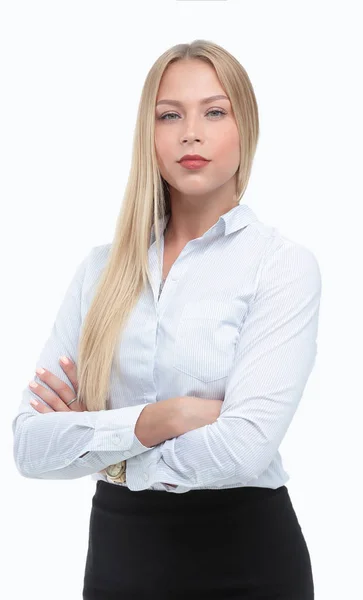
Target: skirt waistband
(120, 498)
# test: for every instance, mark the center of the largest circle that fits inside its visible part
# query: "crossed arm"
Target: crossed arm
(274, 357)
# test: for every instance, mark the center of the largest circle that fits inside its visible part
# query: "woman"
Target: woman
(219, 318)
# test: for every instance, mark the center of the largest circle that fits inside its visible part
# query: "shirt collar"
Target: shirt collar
(235, 219)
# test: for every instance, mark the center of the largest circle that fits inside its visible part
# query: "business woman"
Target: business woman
(190, 340)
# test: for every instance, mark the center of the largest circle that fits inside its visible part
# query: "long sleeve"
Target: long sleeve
(50, 445)
(274, 356)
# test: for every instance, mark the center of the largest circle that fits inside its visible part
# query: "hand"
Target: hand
(62, 393)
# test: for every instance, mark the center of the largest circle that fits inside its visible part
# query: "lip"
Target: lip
(192, 157)
(194, 164)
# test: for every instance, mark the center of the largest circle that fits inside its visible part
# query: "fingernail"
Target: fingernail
(33, 384)
(34, 402)
(64, 360)
(40, 371)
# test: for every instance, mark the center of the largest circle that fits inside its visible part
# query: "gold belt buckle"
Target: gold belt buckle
(116, 472)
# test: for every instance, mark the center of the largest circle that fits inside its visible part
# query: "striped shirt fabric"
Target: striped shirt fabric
(236, 320)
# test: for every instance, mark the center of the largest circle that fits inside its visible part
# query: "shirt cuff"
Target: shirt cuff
(115, 431)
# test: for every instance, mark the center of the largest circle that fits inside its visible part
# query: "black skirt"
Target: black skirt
(240, 543)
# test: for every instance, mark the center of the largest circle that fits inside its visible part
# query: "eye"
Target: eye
(214, 110)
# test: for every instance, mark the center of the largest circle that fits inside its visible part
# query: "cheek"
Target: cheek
(228, 153)
(229, 150)
(163, 138)
(229, 140)
(161, 151)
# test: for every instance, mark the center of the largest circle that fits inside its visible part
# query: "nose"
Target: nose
(190, 133)
(190, 138)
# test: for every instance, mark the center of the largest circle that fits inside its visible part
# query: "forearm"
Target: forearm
(159, 422)
(67, 445)
(168, 419)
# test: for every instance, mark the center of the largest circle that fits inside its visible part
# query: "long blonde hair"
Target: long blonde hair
(146, 200)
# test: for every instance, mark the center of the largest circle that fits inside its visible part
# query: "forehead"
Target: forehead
(189, 78)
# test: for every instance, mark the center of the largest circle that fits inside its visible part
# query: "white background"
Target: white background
(71, 78)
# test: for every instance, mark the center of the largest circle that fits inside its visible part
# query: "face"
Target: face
(193, 127)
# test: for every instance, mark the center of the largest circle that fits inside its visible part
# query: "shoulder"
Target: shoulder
(282, 259)
(98, 256)
(95, 261)
(278, 247)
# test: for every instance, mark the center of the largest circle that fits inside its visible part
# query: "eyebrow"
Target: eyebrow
(203, 101)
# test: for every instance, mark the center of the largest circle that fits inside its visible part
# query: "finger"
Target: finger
(40, 407)
(70, 369)
(62, 390)
(54, 402)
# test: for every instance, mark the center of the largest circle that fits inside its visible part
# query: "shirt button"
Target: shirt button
(116, 439)
(67, 461)
(146, 476)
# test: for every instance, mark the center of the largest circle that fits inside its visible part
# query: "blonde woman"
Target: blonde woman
(190, 340)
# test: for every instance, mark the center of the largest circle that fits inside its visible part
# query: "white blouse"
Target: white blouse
(237, 321)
